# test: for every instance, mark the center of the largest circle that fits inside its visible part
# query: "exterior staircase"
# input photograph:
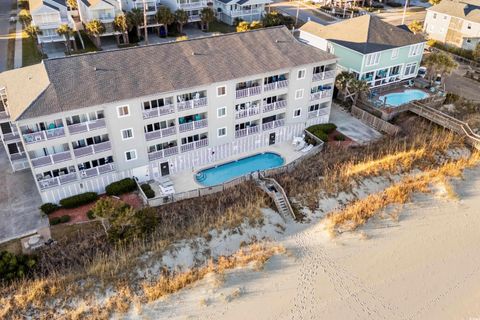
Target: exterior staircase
(278, 195)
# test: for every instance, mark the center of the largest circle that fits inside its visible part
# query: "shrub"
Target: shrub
(15, 266)
(48, 208)
(58, 220)
(54, 221)
(147, 189)
(90, 215)
(467, 54)
(119, 187)
(451, 98)
(327, 127)
(65, 218)
(79, 200)
(339, 137)
(322, 131)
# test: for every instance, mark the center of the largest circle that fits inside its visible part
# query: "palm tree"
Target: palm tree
(24, 17)
(67, 32)
(120, 24)
(33, 32)
(72, 4)
(95, 28)
(165, 16)
(439, 63)
(415, 26)
(135, 18)
(358, 87)
(206, 16)
(181, 16)
(342, 82)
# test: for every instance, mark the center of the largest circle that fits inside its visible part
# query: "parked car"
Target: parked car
(422, 72)
(438, 79)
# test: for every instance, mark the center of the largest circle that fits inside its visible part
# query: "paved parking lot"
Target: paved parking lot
(19, 202)
(352, 127)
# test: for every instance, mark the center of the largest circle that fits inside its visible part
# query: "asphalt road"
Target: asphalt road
(5, 6)
(395, 18)
(304, 13)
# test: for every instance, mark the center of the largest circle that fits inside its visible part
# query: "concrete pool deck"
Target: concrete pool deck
(352, 127)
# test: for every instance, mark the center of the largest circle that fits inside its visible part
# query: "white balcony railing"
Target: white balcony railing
(248, 92)
(194, 145)
(190, 104)
(86, 126)
(245, 12)
(324, 75)
(164, 153)
(192, 5)
(92, 149)
(318, 113)
(247, 131)
(57, 181)
(51, 159)
(44, 135)
(276, 85)
(273, 124)
(321, 95)
(160, 133)
(275, 106)
(247, 112)
(157, 112)
(3, 115)
(93, 172)
(193, 125)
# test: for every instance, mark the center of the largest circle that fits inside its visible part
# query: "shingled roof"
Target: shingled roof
(364, 34)
(466, 9)
(104, 77)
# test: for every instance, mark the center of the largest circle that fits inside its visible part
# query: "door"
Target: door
(271, 139)
(164, 169)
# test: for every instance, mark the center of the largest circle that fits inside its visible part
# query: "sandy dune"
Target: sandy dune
(425, 266)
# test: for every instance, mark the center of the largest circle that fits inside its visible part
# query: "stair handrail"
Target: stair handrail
(282, 191)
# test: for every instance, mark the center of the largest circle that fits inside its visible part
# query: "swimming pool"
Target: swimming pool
(231, 170)
(398, 98)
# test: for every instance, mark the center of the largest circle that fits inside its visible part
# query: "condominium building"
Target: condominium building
(84, 121)
(456, 23)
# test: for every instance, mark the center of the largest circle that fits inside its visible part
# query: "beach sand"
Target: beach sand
(426, 265)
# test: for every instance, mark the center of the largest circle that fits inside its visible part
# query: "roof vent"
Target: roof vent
(193, 53)
(94, 68)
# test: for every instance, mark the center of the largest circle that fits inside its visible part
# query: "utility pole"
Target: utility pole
(296, 16)
(145, 21)
(404, 12)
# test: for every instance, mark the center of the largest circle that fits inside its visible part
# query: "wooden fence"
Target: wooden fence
(375, 122)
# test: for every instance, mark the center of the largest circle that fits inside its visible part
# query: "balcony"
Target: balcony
(92, 149)
(164, 153)
(18, 156)
(248, 92)
(247, 131)
(158, 112)
(245, 12)
(152, 135)
(49, 134)
(318, 113)
(273, 124)
(51, 159)
(194, 5)
(324, 75)
(247, 112)
(275, 106)
(321, 95)
(11, 136)
(194, 145)
(276, 85)
(96, 171)
(193, 125)
(86, 126)
(57, 181)
(4, 115)
(190, 104)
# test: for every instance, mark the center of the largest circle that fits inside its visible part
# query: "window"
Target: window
(123, 111)
(415, 50)
(127, 134)
(221, 112)
(468, 40)
(330, 48)
(395, 53)
(299, 94)
(410, 69)
(131, 155)
(372, 59)
(469, 26)
(296, 113)
(434, 16)
(301, 74)
(221, 132)
(221, 91)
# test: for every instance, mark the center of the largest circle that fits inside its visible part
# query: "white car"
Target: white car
(422, 72)
(12, 19)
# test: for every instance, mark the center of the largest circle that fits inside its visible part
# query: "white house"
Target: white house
(103, 10)
(192, 7)
(245, 10)
(48, 15)
(455, 23)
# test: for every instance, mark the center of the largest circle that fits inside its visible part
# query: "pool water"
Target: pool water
(398, 98)
(231, 170)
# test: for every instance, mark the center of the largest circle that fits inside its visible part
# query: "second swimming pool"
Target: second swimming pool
(231, 170)
(398, 98)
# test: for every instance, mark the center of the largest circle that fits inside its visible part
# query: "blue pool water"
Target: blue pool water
(398, 98)
(231, 170)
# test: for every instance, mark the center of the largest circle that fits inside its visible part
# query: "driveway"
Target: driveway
(352, 127)
(464, 87)
(5, 6)
(19, 202)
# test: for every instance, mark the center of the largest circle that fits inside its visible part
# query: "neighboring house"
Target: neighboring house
(374, 50)
(48, 15)
(244, 10)
(88, 120)
(455, 23)
(192, 7)
(151, 9)
(103, 10)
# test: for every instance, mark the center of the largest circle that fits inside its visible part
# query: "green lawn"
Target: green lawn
(217, 26)
(30, 53)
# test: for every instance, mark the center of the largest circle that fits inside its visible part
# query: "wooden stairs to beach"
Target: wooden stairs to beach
(278, 195)
(448, 122)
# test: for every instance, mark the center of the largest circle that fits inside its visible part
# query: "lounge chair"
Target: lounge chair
(300, 145)
(296, 140)
(307, 148)
(167, 190)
